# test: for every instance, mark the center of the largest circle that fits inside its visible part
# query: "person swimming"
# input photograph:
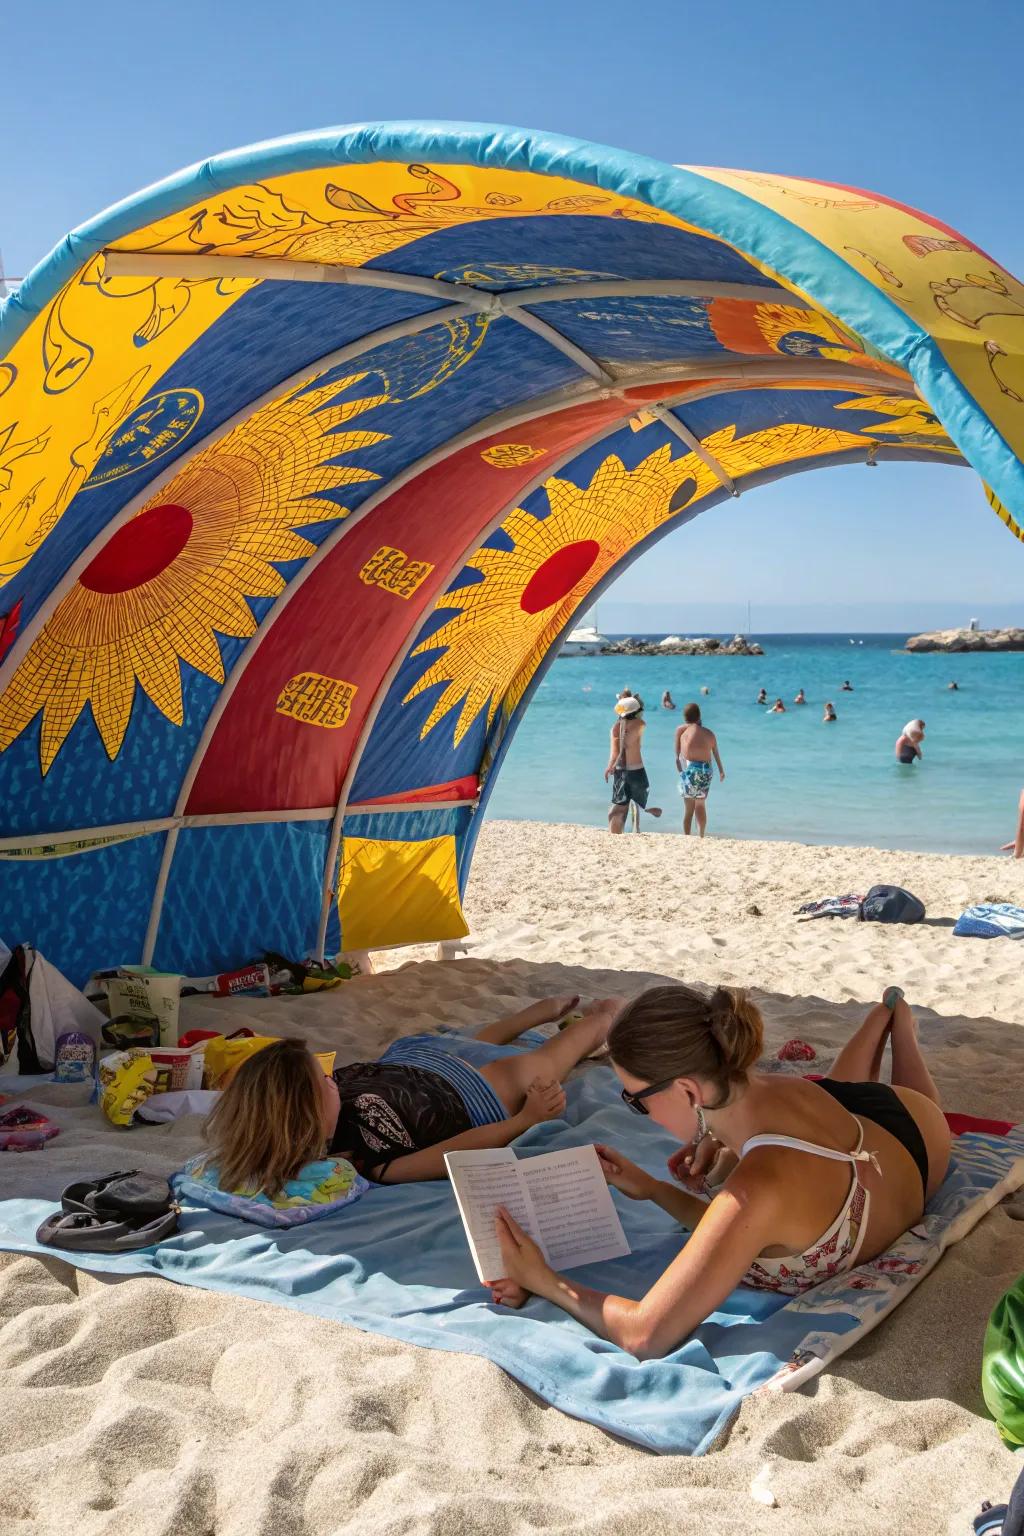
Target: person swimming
(830, 713)
(762, 697)
(801, 698)
(908, 743)
(847, 687)
(952, 687)
(778, 708)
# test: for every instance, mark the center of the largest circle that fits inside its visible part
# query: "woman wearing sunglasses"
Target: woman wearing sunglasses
(818, 1176)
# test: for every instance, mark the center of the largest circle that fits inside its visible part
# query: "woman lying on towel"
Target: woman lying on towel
(818, 1176)
(394, 1119)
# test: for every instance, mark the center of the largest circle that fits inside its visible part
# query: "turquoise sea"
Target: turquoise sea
(789, 776)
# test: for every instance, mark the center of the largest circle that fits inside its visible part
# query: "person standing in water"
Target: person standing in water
(801, 698)
(830, 713)
(908, 743)
(667, 701)
(630, 784)
(695, 747)
(762, 697)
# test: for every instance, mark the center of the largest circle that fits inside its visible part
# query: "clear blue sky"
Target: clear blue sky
(917, 100)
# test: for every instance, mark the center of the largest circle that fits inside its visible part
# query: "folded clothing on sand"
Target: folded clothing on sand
(990, 920)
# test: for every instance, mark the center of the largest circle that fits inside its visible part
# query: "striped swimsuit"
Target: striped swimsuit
(418, 1094)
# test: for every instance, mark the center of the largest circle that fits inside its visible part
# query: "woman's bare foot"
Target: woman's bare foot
(550, 1009)
(545, 1100)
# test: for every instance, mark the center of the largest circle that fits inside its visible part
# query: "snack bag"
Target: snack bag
(223, 1057)
(76, 1058)
(127, 1078)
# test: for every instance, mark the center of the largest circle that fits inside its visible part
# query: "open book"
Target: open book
(560, 1198)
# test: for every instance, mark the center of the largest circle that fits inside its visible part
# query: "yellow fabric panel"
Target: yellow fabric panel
(355, 213)
(93, 356)
(973, 308)
(398, 893)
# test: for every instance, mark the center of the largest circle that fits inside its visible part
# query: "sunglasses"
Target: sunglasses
(636, 1100)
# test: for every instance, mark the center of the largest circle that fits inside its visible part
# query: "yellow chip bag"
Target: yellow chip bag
(127, 1080)
(224, 1057)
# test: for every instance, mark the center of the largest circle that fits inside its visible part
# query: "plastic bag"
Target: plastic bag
(1002, 1368)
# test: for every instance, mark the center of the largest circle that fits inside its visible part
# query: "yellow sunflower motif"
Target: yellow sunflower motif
(509, 620)
(177, 574)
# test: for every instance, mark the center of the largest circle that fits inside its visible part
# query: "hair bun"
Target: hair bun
(737, 1029)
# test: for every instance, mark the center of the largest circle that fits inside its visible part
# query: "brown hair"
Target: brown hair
(691, 714)
(267, 1124)
(676, 1031)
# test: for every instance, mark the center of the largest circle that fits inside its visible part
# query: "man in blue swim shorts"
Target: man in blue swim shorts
(695, 747)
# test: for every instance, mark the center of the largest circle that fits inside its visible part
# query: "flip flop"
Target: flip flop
(891, 996)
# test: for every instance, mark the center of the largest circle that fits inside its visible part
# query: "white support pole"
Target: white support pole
(562, 344)
(195, 268)
(681, 430)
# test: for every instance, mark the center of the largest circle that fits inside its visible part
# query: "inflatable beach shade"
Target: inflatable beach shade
(310, 454)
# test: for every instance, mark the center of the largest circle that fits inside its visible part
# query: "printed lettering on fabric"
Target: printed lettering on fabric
(147, 433)
(313, 699)
(395, 572)
(511, 455)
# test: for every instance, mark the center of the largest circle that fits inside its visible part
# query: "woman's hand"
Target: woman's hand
(526, 1268)
(545, 1100)
(699, 1160)
(623, 1175)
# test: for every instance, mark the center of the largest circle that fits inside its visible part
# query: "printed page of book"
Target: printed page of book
(572, 1206)
(560, 1198)
(482, 1181)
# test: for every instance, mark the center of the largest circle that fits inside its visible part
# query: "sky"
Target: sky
(919, 101)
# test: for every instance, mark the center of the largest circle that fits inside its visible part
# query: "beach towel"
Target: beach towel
(990, 920)
(397, 1263)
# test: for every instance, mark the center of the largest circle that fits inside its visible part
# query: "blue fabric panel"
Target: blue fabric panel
(85, 912)
(236, 891)
(642, 330)
(530, 252)
(411, 826)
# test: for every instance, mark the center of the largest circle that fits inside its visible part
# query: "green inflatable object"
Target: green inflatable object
(1002, 1367)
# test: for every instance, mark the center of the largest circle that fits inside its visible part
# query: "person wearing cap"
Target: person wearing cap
(630, 785)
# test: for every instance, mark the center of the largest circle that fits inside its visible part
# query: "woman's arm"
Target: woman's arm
(734, 1229)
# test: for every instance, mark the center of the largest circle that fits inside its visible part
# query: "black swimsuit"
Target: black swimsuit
(390, 1110)
(882, 1105)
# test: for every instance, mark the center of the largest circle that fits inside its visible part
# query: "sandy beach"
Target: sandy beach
(145, 1407)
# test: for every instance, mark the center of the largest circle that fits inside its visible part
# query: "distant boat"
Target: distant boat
(585, 641)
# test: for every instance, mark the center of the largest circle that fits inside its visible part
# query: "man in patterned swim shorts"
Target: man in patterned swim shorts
(695, 747)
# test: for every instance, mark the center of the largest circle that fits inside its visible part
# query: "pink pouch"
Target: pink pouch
(23, 1129)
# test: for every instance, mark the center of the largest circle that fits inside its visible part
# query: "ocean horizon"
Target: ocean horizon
(790, 777)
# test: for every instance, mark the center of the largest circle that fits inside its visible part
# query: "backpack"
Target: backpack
(891, 904)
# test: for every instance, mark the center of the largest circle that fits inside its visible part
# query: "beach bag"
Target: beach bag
(115, 1214)
(37, 1006)
(1002, 1366)
(990, 920)
(891, 904)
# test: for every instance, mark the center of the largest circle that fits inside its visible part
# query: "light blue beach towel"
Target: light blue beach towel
(397, 1263)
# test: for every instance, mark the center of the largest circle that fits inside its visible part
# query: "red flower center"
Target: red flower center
(144, 547)
(558, 575)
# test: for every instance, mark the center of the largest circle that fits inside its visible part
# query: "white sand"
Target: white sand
(145, 1407)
